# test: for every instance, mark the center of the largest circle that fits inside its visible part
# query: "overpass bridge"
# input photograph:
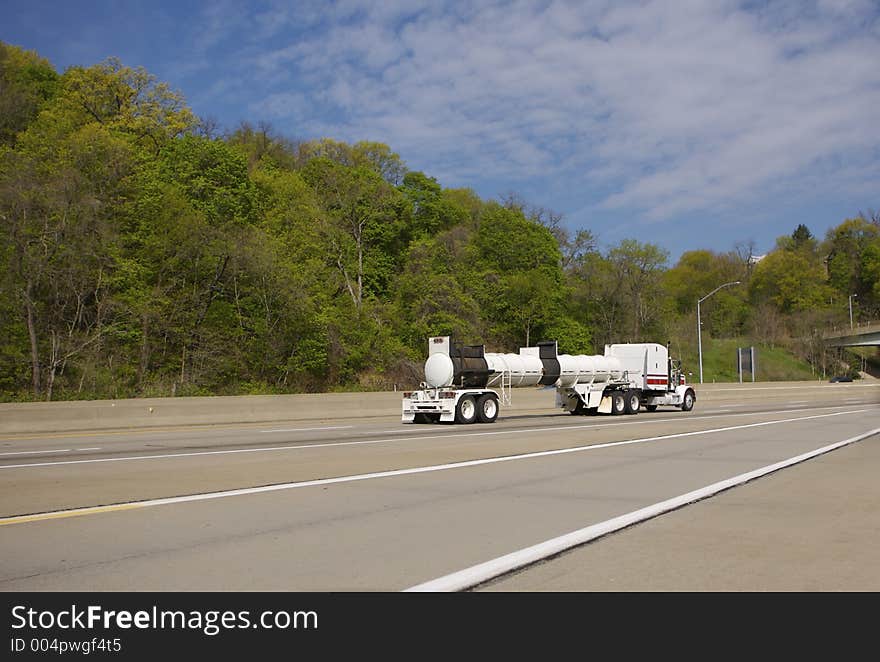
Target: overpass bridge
(866, 334)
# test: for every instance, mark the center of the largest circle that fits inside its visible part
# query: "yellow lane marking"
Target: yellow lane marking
(63, 514)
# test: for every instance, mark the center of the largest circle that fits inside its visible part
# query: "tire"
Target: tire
(651, 407)
(688, 403)
(579, 408)
(633, 402)
(618, 402)
(487, 408)
(466, 409)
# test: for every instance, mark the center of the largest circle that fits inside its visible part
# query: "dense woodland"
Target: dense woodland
(145, 253)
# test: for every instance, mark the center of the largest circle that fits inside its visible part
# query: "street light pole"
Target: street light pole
(850, 310)
(700, 340)
(700, 326)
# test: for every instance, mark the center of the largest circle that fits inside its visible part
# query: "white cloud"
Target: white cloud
(674, 108)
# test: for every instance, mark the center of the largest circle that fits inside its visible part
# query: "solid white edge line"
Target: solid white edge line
(483, 572)
(245, 491)
(786, 388)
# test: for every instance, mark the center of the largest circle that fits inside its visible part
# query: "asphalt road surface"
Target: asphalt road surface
(374, 505)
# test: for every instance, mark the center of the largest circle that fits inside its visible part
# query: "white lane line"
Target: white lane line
(18, 519)
(408, 430)
(483, 572)
(789, 388)
(268, 449)
(97, 448)
(333, 427)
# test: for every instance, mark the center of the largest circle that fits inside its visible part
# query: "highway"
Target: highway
(369, 504)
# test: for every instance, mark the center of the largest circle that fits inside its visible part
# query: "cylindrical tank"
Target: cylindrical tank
(524, 369)
(439, 370)
(470, 366)
(528, 369)
(581, 368)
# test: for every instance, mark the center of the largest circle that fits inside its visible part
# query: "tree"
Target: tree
(62, 189)
(431, 211)
(27, 83)
(801, 236)
(129, 100)
(362, 225)
(637, 268)
(432, 297)
(595, 296)
(58, 213)
(188, 225)
(790, 281)
(851, 247)
(374, 156)
(165, 280)
(287, 297)
(264, 147)
(696, 274)
(469, 201)
(516, 274)
(530, 300)
(213, 176)
(870, 268)
(574, 249)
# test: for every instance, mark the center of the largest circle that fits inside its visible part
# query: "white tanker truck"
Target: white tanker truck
(464, 383)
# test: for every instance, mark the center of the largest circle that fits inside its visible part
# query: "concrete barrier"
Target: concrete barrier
(16, 418)
(71, 416)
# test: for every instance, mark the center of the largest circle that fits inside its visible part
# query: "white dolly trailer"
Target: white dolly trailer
(464, 383)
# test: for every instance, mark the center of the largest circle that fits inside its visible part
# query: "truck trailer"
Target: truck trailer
(467, 384)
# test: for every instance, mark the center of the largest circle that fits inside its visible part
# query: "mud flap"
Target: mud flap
(605, 405)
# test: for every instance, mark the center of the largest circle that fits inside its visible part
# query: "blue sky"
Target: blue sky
(689, 124)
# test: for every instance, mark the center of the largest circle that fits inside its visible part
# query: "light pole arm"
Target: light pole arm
(736, 282)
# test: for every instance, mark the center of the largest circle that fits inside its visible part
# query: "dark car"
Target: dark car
(841, 378)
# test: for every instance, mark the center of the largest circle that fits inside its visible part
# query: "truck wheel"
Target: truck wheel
(633, 402)
(651, 407)
(618, 403)
(487, 408)
(688, 403)
(579, 408)
(466, 410)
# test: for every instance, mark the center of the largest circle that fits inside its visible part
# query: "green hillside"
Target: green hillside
(774, 363)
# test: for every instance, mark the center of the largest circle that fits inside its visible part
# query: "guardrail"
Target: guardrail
(68, 416)
(858, 328)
